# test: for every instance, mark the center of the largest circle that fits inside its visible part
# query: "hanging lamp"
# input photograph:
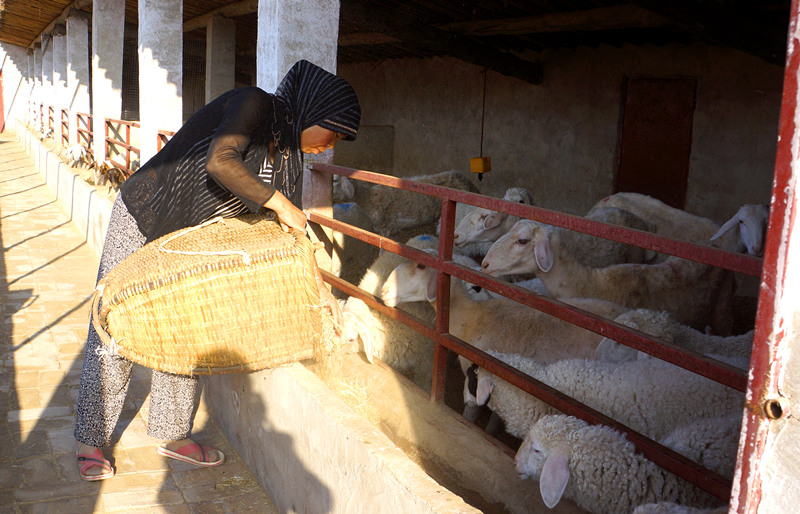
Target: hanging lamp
(481, 164)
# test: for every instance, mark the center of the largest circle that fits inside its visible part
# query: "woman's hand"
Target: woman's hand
(289, 216)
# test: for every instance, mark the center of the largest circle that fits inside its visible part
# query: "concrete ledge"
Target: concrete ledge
(86, 206)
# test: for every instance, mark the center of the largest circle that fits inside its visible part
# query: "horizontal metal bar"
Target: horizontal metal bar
(733, 261)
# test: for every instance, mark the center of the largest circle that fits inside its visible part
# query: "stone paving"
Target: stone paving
(47, 274)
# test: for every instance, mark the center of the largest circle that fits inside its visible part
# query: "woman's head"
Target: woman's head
(317, 97)
(316, 139)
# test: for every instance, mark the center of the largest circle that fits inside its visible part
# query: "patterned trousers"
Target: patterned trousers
(105, 378)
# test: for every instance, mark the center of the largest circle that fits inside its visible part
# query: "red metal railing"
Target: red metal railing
(64, 127)
(113, 143)
(163, 137)
(51, 117)
(84, 128)
(693, 361)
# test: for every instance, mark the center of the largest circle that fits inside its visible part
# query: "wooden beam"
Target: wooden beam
(370, 18)
(602, 18)
(229, 11)
(69, 10)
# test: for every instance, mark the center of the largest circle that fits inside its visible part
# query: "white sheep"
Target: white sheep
(597, 252)
(662, 324)
(480, 227)
(381, 337)
(78, 155)
(598, 468)
(354, 256)
(668, 221)
(696, 294)
(676, 508)
(499, 323)
(751, 219)
(393, 210)
(649, 396)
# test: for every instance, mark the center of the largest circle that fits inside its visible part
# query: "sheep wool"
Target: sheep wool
(598, 468)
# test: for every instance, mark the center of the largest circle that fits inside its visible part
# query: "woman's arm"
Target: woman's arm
(243, 115)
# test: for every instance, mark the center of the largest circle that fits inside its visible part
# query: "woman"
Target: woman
(241, 152)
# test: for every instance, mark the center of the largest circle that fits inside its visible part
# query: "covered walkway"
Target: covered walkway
(47, 275)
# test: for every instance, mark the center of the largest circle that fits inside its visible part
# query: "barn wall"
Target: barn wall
(559, 138)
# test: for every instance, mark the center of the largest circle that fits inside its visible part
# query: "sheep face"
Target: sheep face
(409, 282)
(523, 249)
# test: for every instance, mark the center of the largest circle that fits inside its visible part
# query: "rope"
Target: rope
(218, 219)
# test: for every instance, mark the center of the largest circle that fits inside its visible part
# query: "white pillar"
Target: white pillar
(60, 100)
(160, 71)
(31, 86)
(47, 79)
(290, 30)
(108, 30)
(77, 71)
(220, 56)
(37, 85)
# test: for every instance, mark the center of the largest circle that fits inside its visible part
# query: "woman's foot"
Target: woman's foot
(91, 463)
(187, 450)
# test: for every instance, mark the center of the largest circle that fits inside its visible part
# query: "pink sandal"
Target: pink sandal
(182, 454)
(87, 461)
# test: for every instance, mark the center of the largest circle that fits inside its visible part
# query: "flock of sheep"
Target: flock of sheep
(684, 302)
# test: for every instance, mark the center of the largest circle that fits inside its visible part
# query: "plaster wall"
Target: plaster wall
(16, 88)
(559, 139)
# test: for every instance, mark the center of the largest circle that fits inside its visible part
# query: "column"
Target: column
(37, 85)
(160, 70)
(47, 79)
(77, 70)
(220, 56)
(60, 100)
(31, 77)
(108, 27)
(289, 30)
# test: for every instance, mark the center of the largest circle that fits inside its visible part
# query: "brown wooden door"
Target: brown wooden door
(656, 137)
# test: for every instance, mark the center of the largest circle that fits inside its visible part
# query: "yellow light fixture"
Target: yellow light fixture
(482, 164)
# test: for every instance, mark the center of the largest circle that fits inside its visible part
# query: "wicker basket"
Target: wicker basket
(230, 295)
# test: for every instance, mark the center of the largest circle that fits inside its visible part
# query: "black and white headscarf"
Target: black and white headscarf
(312, 96)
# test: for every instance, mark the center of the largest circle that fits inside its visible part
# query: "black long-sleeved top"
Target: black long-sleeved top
(216, 164)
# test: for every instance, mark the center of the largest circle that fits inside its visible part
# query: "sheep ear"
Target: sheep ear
(555, 475)
(430, 290)
(543, 253)
(726, 227)
(484, 389)
(348, 188)
(492, 220)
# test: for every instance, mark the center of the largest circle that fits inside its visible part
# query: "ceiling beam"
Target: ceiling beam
(229, 11)
(370, 18)
(718, 24)
(602, 18)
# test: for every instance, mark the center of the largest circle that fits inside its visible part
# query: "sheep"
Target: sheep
(78, 155)
(752, 222)
(649, 396)
(393, 210)
(695, 294)
(675, 508)
(109, 173)
(597, 252)
(480, 227)
(661, 324)
(499, 323)
(598, 468)
(391, 341)
(669, 221)
(354, 255)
